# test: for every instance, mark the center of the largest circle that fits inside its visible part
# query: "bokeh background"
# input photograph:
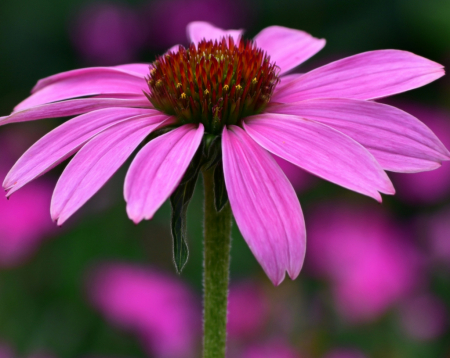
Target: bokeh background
(376, 281)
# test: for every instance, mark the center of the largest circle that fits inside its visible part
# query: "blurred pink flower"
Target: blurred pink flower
(6, 351)
(345, 353)
(24, 222)
(437, 227)
(161, 310)
(272, 349)
(248, 310)
(108, 33)
(369, 261)
(222, 13)
(430, 186)
(323, 121)
(423, 317)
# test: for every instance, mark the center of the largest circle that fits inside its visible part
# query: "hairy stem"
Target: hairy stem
(217, 232)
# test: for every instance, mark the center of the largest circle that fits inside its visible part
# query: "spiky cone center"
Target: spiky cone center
(214, 83)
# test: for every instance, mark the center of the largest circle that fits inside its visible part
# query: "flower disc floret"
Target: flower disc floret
(215, 83)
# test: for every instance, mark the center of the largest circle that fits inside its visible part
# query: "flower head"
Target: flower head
(216, 83)
(222, 87)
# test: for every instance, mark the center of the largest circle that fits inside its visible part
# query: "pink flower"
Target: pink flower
(437, 234)
(367, 258)
(24, 224)
(273, 349)
(239, 92)
(159, 309)
(107, 33)
(6, 351)
(181, 12)
(248, 310)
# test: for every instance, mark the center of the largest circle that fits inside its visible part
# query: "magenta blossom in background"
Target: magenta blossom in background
(6, 351)
(24, 222)
(108, 33)
(222, 13)
(161, 310)
(272, 349)
(369, 261)
(433, 186)
(248, 310)
(423, 317)
(437, 236)
(240, 92)
(345, 353)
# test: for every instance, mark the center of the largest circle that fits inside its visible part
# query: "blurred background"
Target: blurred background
(376, 281)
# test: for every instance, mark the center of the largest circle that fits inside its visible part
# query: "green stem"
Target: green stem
(216, 274)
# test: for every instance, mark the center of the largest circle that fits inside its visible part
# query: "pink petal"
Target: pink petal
(64, 141)
(83, 82)
(72, 107)
(139, 69)
(158, 169)
(286, 80)
(320, 150)
(174, 48)
(96, 162)
(131, 69)
(288, 48)
(397, 140)
(264, 205)
(199, 30)
(368, 75)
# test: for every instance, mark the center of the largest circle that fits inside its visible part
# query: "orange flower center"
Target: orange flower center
(214, 83)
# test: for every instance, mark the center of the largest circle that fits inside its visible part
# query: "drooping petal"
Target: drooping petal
(264, 205)
(64, 141)
(288, 48)
(72, 107)
(320, 150)
(199, 30)
(397, 140)
(158, 169)
(96, 162)
(83, 82)
(368, 75)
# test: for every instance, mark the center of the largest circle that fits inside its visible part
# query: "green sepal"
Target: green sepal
(179, 201)
(220, 190)
(211, 152)
(194, 166)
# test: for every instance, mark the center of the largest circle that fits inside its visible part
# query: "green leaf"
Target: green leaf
(220, 191)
